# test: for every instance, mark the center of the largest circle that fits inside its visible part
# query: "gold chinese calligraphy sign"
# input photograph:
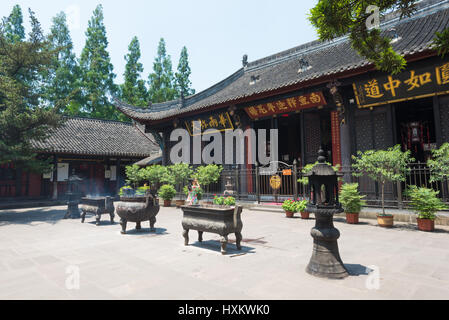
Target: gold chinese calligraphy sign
(408, 85)
(305, 101)
(214, 123)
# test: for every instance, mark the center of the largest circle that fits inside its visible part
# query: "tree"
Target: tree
(22, 118)
(356, 17)
(161, 81)
(383, 166)
(13, 25)
(207, 175)
(439, 165)
(183, 83)
(134, 91)
(61, 78)
(97, 77)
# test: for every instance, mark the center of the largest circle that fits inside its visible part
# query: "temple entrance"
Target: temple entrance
(415, 127)
(289, 138)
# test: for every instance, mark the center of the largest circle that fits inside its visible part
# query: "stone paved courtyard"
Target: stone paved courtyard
(38, 248)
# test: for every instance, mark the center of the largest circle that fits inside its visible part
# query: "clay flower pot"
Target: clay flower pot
(426, 224)
(289, 214)
(352, 218)
(167, 203)
(305, 215)
(385, 221)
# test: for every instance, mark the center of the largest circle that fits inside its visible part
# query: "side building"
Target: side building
(96, 151)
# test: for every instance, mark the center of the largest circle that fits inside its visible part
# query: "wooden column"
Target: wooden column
(437, 120)
(55, 178)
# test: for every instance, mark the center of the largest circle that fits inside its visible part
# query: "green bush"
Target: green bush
(133, 175)
(157, 175)
(167, 192)
(141, 191)
(290, 205)
(439, 165)
(229, 201)
(125, 190)
(301, 205)
(181, 173)
(207, 174)
(350, 198)
(424, 202)
(219, 200)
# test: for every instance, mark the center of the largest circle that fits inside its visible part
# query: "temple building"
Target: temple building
(95, 151)
(325, 94)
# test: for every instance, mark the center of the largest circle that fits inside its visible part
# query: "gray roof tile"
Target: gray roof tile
(96, 137)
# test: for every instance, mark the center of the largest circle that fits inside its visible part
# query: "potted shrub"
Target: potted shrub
(425, 203)
(351, 201)
(290, 207)
(301, 207)
(181, 172)
(167, 192)
(383, 166)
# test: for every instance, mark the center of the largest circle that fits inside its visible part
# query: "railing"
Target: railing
(253, 185)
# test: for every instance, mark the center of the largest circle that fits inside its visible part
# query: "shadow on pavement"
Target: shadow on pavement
(158, 232)
(357, 269)
(215, 245)
(30, 216)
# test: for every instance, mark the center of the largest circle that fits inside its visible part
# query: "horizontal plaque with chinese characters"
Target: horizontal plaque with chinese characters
(411, 84)
(217, 122)
(305, 101)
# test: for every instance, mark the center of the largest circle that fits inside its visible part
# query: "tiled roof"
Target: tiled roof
(96, 137)
(324, 58)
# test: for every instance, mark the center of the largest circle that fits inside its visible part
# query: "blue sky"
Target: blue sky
(216, 33)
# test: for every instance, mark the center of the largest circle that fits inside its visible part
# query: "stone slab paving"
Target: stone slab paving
(39, 251)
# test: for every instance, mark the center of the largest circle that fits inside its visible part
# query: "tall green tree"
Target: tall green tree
(13, 25)
(61, 90)
(358, 19)
(161, 80)
(22, 118)
(133, 90)
(97, 76)
(183, 83)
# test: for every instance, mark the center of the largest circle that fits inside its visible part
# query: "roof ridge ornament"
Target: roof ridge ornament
(245, 61)
(303, 65)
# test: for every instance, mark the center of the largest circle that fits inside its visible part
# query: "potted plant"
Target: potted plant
(181, 172)
(425, 203)
(351, 201)
(290, 207)
(167, 192)
(229, 201)
(383, 166)
(301, 207)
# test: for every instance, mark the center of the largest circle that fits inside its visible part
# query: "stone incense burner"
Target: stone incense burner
(137, 210)
(220, 220)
